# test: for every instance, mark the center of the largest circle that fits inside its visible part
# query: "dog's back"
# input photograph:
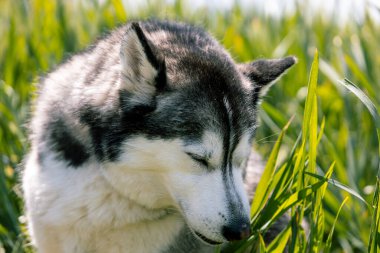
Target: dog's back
(138, 144)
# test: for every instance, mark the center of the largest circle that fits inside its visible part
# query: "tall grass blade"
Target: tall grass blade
(364, 99)
(263, 247)
(374, 241)
(278, 207)
(262, 191)
(329, 238)
(311, 94)
(340, 186)
(280, 242)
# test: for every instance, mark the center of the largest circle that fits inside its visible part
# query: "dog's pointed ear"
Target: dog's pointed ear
(143, 71)
(263, 73)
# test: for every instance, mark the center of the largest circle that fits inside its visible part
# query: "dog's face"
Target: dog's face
(194, 118)
(209, 188)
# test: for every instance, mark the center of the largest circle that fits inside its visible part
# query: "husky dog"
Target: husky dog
(141, 143)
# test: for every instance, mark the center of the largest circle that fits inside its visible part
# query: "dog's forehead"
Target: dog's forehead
(213, 107)
(211, 67)
(207, 92)
(214, 101)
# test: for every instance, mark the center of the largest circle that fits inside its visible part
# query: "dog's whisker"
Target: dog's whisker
(267, 137)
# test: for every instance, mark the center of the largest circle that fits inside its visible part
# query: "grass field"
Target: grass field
(323, 163)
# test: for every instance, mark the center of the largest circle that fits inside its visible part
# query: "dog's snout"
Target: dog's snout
(237, 231)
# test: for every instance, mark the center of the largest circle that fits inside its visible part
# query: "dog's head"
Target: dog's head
(190, 114)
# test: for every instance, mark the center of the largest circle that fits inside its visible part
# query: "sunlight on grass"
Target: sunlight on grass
(321, 164)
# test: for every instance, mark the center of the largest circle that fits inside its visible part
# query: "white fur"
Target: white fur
(242, 151)
(126, 206)
(78, 210)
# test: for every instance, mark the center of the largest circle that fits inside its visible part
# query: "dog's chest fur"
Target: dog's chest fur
(82, 212)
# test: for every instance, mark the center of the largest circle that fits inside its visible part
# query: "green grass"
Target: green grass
(324, 162)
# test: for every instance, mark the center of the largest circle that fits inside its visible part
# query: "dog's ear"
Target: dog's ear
(263, 73)
(143, 71)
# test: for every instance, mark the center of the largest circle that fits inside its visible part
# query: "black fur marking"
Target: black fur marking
(93, 119)
(233, 131)
(161, 79)
(235, 203)
(135, 109)
(66, 145)
(145, 44)
(153, 57)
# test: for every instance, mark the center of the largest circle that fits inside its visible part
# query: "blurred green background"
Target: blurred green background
(36, 35)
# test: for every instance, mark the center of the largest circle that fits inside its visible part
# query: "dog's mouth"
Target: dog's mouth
(207, 240)
(197, 234)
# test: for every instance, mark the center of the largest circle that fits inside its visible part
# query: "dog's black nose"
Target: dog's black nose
(236, 231)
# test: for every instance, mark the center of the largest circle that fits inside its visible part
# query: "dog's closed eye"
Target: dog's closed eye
(199, 159)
